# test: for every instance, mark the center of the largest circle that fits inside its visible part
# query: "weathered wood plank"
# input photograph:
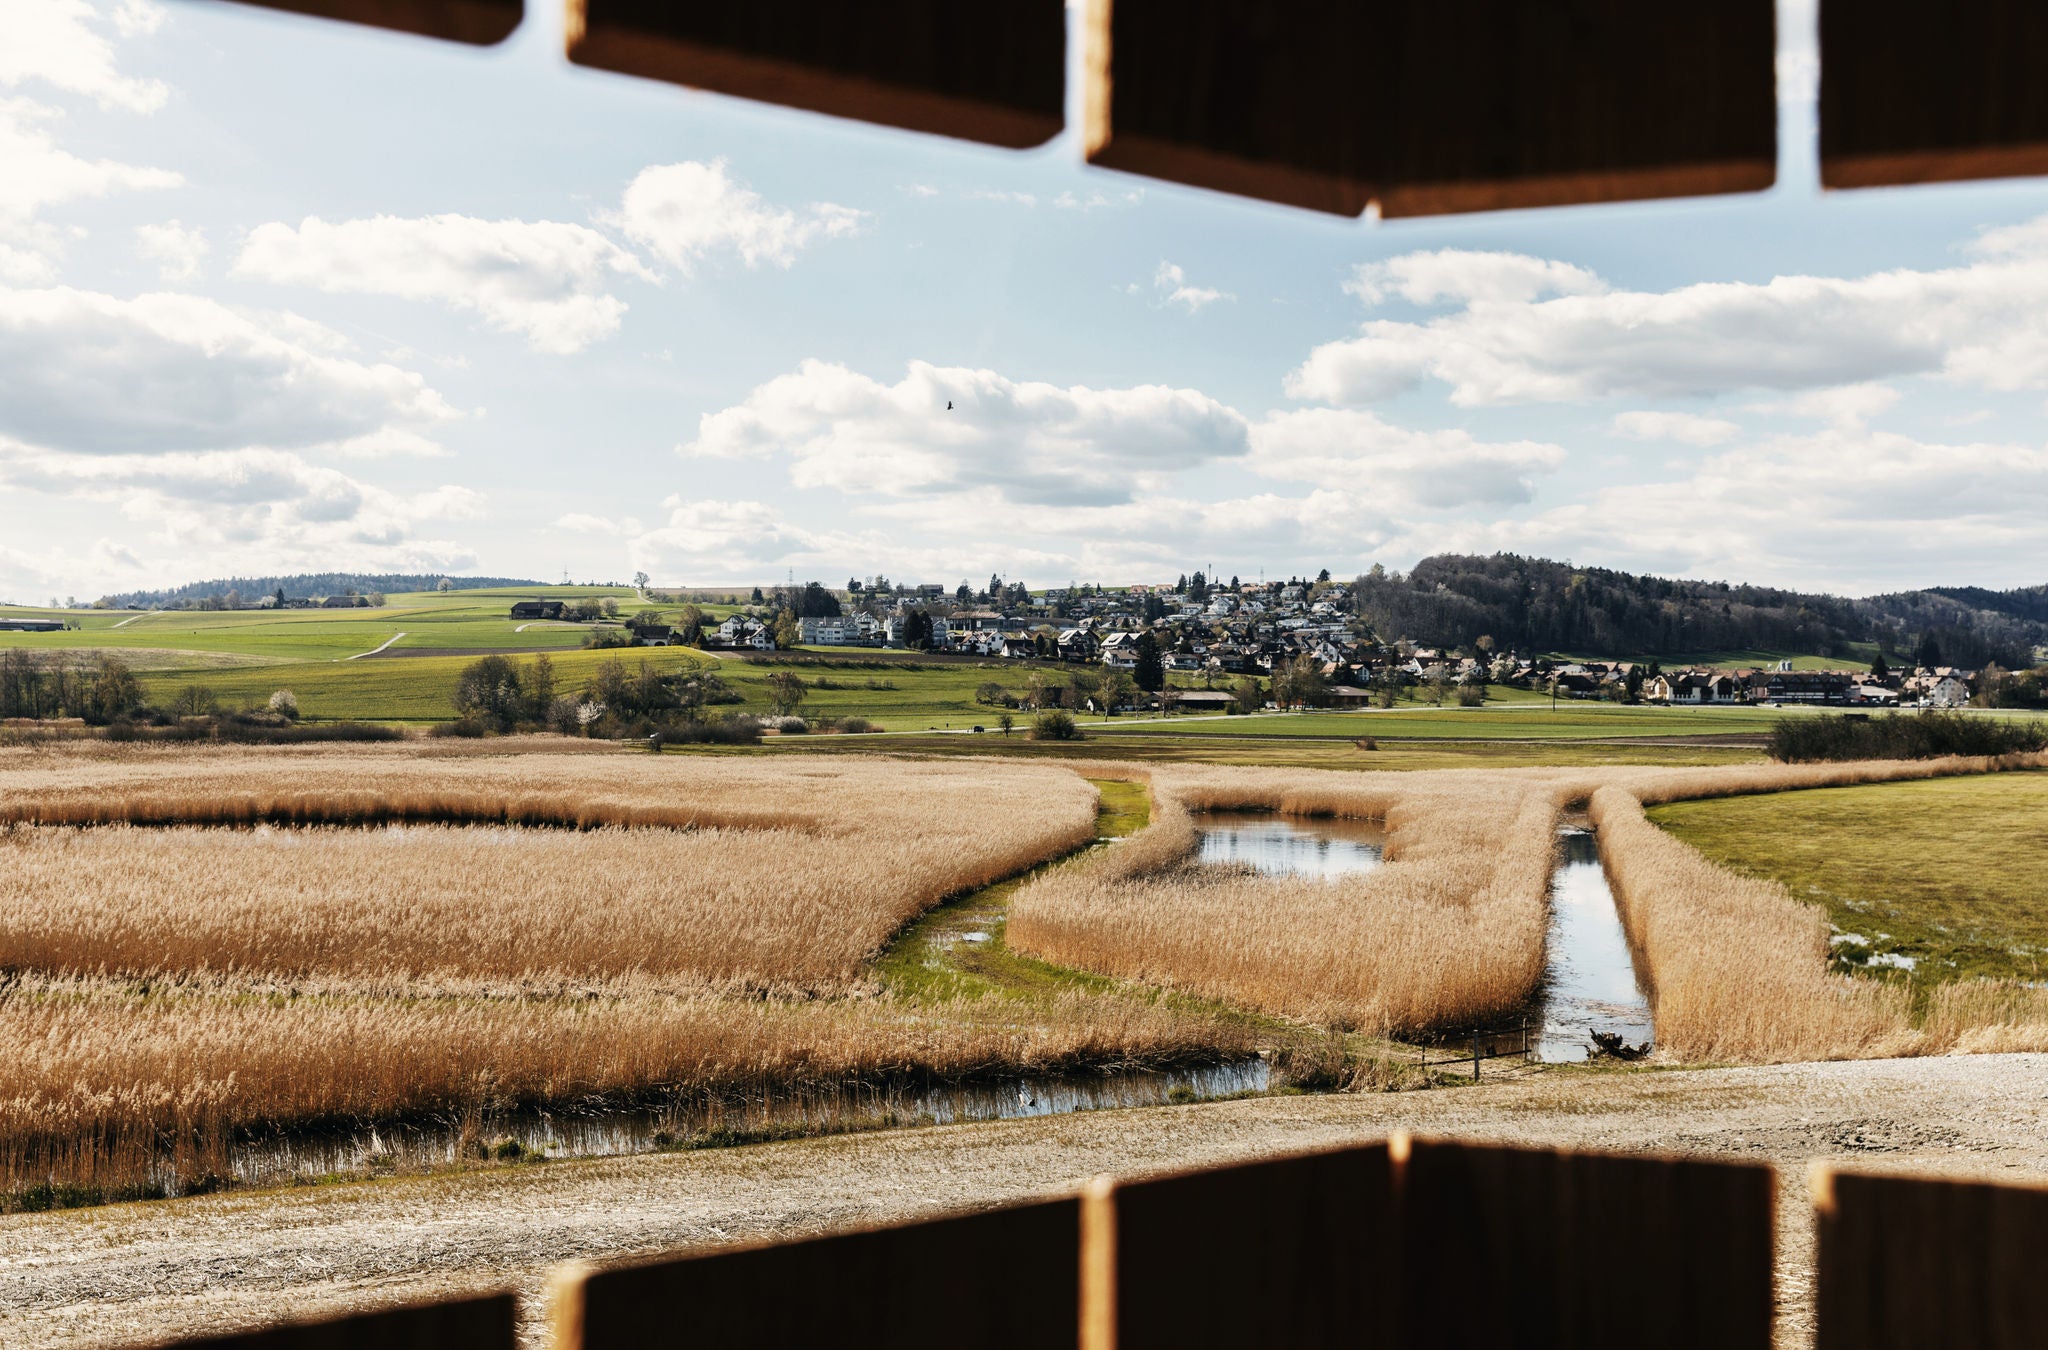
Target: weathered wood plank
(992, 72)
(1285, 1252)
(1916, 1262)
(1528, 1247)
(1001, 1279)
(480, 22)
(1429, 107)
(481, 1323)
(1919, 93)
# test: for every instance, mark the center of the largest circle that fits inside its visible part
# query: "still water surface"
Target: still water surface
(1589, 979)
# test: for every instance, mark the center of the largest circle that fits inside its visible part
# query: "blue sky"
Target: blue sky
(281, 294)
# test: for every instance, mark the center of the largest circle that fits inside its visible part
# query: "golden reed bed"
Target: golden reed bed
(774, 875)
(386, 933)
(1452, 929)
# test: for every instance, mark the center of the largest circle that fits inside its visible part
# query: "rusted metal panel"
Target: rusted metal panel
(1425, 106)
(1918, 93)
(480, 22)
(992, 72)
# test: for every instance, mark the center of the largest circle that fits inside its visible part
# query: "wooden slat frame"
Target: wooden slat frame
(1918, 1262)
(1286, 1252)
(477, 22)
(1006, 1279)
(485, 1322)
(983, 70)
(1924, 93)
(1511, 1247)
(1429, 106)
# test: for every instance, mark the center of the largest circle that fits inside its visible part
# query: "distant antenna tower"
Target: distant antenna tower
(565, 576)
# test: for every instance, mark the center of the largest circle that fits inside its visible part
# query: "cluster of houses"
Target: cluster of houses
(1242, 630)
(1252, 628)
(1943, 687)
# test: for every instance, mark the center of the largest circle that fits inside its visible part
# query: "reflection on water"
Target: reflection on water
(610, 1133)
(1321, 847)
(1590, 980)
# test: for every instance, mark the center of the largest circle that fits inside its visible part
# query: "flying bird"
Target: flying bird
(949, 405)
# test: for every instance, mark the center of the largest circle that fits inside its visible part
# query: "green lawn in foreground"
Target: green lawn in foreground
(1952, 872)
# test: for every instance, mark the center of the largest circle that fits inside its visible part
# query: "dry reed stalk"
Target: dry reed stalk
(1450, 930)
(99, 1078)
(1737, 969)
(840, 858)
(1988, 1017)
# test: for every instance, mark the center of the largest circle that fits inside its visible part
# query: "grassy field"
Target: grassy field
(1951, 874)
(323, 656)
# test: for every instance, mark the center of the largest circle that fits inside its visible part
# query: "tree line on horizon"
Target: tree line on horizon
(1535, 604)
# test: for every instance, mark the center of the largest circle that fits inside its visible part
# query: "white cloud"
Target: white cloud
(543, 280)
(582, 522)
(684, 213)
(1400, 467)
(1684, 428)
(164, 372)
(733, 539)
(1983, 324)
(1465, 276)
(1847, 407)
(37, 174)
(59, 43)
(1004, 195)
(1844, 509)
(175, 249)
(1170, 283)
(243, 504)
(1032, 441)
(1096, 201)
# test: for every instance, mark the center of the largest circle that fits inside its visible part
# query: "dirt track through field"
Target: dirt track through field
(137, 1272)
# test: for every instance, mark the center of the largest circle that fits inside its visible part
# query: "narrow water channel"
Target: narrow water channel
(613, 1132)
(1589, 981)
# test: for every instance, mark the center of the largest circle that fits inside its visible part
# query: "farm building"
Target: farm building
(8, 625)
(536, 609)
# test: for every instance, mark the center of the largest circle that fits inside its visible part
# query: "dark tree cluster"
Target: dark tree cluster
(1534, 604)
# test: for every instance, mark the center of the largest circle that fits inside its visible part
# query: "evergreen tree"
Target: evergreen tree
(1150, 671)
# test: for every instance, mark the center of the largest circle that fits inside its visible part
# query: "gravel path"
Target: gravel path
(136, 1272)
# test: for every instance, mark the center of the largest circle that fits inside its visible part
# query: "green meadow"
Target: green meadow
(422, 641)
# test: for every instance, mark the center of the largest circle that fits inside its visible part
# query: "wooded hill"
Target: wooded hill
(1534, 604)
(309, 584)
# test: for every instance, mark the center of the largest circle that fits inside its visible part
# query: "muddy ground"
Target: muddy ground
(141, 1272)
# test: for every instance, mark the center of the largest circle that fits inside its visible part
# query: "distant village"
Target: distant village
(1303, 635)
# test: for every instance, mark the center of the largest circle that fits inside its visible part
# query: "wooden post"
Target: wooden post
(483, 1322)
(1276, 1252)
(1918, 1261)
(1591, 1251)
(850, 1290)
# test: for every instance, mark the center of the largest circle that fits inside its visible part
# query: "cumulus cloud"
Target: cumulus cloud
(61, 44)
(1401, 467)
(1684, 428)
(1171, 285)
(1984, 324)
(163, 372)
(1847, 407)
(1032, 441)
(734, 538)
(175, 249)
(1845, 508)
(544, 280)
(37, 174)
(1466, 276)
(242, 503)
(684, 213)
